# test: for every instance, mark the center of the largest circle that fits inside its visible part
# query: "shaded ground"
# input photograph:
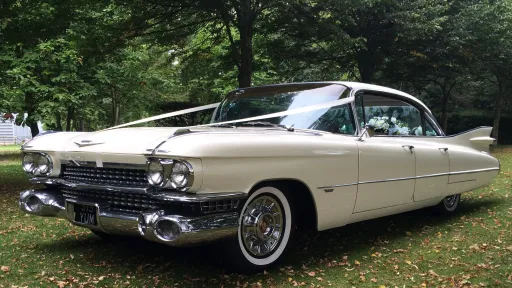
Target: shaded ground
(415, 249)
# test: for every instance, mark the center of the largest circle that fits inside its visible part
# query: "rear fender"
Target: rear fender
(478, 139)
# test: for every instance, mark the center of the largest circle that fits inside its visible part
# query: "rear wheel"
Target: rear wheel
(264, 231)
(449, 203)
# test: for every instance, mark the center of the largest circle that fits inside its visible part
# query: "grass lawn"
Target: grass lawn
(10, 148)
(472, 248)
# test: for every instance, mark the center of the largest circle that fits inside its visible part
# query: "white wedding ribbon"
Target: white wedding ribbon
(262, 117)
(287, 112)
(167, 115)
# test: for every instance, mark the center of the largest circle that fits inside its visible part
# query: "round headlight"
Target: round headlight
(28, 163)
(181, 174)
(44, 164)
(155, 174)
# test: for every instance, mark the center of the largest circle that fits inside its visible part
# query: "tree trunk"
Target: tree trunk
(497, 110)
(81, 124)
(245, 26)
(446, 89)
(115, 107)
(444, 113)
(33, 128)
(58, 120)
(69, 117)
(366, 65)
(29, 107)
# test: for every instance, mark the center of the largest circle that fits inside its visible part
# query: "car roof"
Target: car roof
(354, 86)
(364, 86)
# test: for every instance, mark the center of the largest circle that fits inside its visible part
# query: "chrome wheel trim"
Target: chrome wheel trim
(262, 226)
(450, 201)
(285, 232)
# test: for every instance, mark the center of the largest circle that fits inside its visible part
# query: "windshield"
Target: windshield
(255, 102)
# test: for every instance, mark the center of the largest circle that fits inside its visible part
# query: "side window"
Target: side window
(336, 120)
(390, 116)
(429, 129)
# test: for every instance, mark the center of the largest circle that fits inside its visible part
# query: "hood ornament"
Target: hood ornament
(85, 143)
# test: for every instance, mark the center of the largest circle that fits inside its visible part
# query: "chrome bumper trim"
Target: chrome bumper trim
(169, 195)
(80, 186)
(193, 230)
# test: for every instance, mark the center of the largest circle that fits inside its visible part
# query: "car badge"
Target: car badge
(85, 143)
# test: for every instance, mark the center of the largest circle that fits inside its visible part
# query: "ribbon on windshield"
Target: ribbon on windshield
(167, 115)
(262, 117)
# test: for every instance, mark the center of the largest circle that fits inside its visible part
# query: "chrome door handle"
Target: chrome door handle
(444, 149)
(411, 148)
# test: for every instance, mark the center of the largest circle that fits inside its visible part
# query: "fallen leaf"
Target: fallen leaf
(5, 268)
(61, 284)
(357, 262)
(312, 273)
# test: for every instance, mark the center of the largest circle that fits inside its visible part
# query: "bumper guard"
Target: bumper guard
(158, 225)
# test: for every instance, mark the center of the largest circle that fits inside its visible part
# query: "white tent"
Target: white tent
(10, 133)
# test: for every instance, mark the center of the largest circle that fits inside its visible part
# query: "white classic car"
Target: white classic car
(272, 159)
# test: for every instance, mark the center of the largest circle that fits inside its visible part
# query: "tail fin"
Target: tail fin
(478, 138)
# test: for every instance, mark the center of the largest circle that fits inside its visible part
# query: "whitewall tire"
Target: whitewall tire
(264, 232)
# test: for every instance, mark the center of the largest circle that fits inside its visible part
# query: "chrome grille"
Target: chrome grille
(122, 200)
(121, 177)
(219, 206)
(136, 202)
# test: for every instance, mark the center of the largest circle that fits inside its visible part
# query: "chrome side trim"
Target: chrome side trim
(337, 185)
(411, 178)
(474, 171)
(386, 180)
(432, 175)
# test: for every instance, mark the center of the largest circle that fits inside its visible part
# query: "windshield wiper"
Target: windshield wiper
(267, 124)
(223, 125)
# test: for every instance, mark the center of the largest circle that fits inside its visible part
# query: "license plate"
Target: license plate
(85, 214)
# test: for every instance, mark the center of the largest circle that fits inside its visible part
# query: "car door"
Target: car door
(387, 163)
(432, 165)
(386, 173)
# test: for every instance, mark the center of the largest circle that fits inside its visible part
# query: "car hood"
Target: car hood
(140, 140)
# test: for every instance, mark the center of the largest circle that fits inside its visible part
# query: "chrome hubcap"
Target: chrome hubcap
(262, 226)
(450, 201)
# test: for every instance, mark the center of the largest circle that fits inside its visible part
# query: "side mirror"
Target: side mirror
(368, 130)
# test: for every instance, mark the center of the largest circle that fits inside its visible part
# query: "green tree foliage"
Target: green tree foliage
(86, 65)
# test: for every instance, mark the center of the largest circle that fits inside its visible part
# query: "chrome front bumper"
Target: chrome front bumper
(49, 202)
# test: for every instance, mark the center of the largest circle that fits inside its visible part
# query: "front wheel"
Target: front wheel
(265, 229)
(449, 203)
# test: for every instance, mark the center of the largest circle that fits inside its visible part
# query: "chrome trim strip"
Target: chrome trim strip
(76, 163)
(469, 180)
(81, 186)
(183, 197)
(432, 175)
(337, 185)
(474, 171)
(386, 180)
(166, 195)
(411, 178)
